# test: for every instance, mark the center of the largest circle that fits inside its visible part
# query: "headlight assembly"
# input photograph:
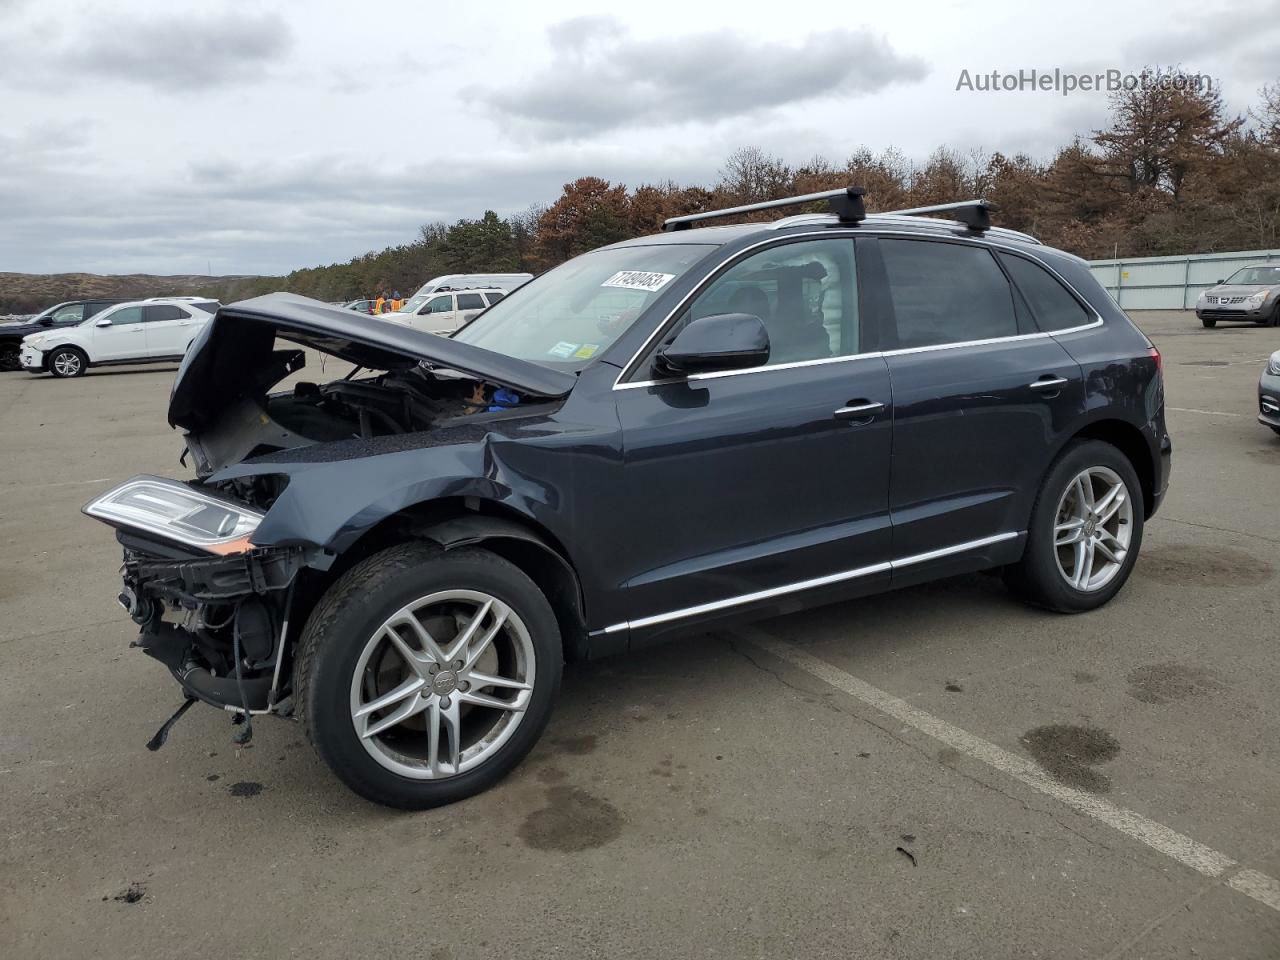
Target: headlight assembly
(175, 511)
(1273, 365)
(1256, 300)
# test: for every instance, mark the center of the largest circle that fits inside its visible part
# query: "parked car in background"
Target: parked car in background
(446, 312)
(1251, 294)
(360, 306)
(141, 331)
(66, 314)
(465, 281)
(656, 438)
(1269, 393)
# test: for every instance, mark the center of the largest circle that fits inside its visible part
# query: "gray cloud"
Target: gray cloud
(600, 78)
(1245, 36)
(178, 52)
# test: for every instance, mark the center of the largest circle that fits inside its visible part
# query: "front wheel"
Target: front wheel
(68, 362)
(1085, 533)
(9, 354)
(425, 676)
(1210, 324)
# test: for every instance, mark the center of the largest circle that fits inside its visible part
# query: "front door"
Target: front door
(437, 315)
(768, 487)
(122, 336)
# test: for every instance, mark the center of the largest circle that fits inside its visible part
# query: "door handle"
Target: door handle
(1048, 382)
(859, 411)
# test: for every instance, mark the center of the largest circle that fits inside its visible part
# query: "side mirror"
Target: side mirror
(46, 321)
(1220, 280)
(723, 341)
(104, 322)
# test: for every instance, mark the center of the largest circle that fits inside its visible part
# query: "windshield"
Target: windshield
(574, 312)
(1268, 275)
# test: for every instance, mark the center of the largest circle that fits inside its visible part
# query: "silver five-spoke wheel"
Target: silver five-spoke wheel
(442, 684)
(1093, 527)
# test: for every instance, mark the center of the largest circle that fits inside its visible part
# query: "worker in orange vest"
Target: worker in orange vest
(378, 304)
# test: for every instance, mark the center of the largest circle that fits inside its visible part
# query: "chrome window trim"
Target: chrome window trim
(856, 572)
(874, 231)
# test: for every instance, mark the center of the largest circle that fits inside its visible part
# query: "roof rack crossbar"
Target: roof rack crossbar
(974, 214)
(845, 203)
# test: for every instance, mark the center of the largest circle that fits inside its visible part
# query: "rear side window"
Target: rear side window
(165, 311)
(208, 306)
(470, 301)
(1053, 306)
(495, 296)
(946, 293)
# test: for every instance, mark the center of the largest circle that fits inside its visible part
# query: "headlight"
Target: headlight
(175, 511)
(1273, 365)
(1256, 300)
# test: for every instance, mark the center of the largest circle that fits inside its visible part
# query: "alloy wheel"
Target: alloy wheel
(67, 364)
(442, 684)
(1093, 528)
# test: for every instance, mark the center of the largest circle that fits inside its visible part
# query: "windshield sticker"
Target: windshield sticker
(586, 350)
(563, 349)
(639, 280)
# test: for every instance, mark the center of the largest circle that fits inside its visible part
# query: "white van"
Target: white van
(465, 281)
(445, 311)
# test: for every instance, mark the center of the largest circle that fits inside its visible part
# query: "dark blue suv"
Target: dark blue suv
(652, 439)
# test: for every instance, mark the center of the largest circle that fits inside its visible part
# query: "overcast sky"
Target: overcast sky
(256, 137)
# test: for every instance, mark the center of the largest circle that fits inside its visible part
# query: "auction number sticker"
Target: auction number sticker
(639, 280)
(563, 349)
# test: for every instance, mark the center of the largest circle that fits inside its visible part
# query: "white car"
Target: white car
(145, 331)
(445, 312)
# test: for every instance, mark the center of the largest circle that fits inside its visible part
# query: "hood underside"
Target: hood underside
(235, 358)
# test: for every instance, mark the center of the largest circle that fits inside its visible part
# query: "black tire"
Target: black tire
(1274, 320)
(76, 369)
(1276, 429)
(9, 356)
(1037, 578)
(1210, 324)
(358, 604)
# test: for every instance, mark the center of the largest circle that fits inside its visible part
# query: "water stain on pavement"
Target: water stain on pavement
(1166, 682)
(1084, 676)
(1068, 753)
(578, 746)
(1185, 565)
(572, 821)
(245, 788)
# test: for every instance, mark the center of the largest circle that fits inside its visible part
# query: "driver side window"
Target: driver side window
(442, 304)
(805, 293)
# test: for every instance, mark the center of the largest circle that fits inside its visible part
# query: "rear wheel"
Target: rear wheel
(425, 676)
(68, 362)
(1085, 533)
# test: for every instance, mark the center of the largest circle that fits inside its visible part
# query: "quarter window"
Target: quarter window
(946, 293)
(1053, 306)
(805, 293)
(495, 296)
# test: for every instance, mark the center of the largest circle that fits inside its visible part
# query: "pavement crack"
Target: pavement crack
(1210, 526)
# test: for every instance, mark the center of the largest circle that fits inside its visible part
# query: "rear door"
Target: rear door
(766, 487)
(469, 304)
(169, 330)
(981, 400)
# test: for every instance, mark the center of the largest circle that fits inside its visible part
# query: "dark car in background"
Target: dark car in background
(652, 440)
(66, 314)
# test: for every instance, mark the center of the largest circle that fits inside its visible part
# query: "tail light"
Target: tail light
(1155, 355)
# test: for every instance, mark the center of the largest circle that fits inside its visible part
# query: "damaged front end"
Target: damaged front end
(213, 608)
(287, 479)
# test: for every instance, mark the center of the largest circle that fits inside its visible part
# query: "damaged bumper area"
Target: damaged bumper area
(219, 624)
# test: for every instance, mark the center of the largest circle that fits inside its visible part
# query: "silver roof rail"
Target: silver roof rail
(845, 203)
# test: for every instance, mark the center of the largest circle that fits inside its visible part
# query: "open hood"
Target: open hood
(234, 356)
